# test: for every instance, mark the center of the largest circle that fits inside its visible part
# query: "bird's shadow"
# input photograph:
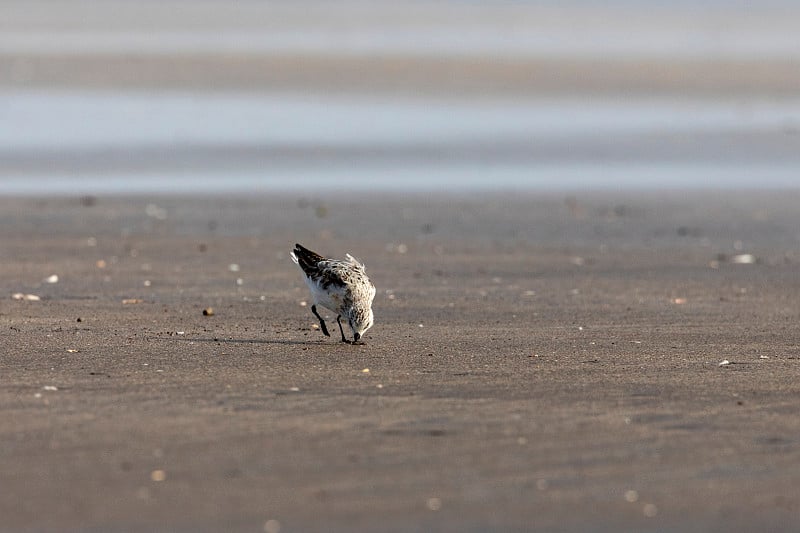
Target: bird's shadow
(259, 341)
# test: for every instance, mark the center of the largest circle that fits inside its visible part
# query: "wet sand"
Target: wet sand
(537, 363)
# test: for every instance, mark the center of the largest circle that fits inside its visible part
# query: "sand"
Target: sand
(537, 363)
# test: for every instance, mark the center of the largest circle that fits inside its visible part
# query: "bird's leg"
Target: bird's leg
(341, 330)
(321, 322)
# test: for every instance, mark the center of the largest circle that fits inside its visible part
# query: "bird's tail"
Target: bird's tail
(305, 258)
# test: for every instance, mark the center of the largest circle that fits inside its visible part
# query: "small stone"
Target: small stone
(233, 267)
(650, 510)
(72, 350)
(743, 259)
(272, 526)
(51, 279)
(131, 301)
(25, 297)
(154, 211)
(158, 475)
(208, 311)
(631, 496)
(50, 388)
(434, 504)
(724, 362)
(365, 371)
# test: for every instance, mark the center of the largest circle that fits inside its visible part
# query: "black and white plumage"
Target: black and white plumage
(341, 286)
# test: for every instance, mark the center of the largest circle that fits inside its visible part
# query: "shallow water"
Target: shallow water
(117, 142)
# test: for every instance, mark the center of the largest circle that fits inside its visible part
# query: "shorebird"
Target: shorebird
(339, 285)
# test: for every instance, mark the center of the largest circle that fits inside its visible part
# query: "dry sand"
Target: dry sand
(409, 75)
(371, 48)
(536, 364)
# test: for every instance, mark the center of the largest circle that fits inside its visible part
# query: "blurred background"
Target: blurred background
(212, 96)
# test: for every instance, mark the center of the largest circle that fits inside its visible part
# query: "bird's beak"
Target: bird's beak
(356, 336)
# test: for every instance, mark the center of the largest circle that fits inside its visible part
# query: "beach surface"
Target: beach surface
(606, 362)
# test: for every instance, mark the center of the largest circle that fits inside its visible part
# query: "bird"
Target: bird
(340, 285)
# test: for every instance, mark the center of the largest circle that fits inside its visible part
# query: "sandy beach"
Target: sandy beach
(540, 361)
(598, 362)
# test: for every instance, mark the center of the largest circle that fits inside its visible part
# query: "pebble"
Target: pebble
(154, 211)
(434, 504)
(743, 259)
(51, 279)
(158, 475)
(50, 388)
(724, 362)
(272, 526)
(26, 297)
(208, 311)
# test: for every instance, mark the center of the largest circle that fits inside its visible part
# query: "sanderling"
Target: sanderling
(339, 285)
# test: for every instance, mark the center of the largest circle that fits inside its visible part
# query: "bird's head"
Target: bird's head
(360, 321)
